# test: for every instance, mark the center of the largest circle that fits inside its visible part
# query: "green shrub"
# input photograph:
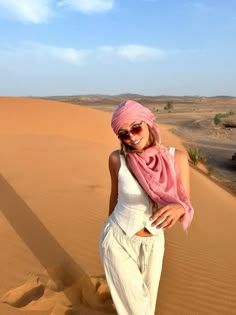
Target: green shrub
(196, 155)
(217, 118)
(169, 105)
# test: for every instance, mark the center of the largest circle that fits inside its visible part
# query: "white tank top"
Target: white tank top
(134, 207)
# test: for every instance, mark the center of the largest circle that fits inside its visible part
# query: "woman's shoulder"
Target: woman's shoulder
(114, 159)
(114, 155)
(180, 154)
(181, 157)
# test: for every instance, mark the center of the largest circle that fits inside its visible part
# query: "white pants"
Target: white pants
(133, 268)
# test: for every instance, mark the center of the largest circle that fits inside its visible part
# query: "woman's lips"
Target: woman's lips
(136, 142)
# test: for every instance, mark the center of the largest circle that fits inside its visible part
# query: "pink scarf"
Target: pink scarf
(155, 167)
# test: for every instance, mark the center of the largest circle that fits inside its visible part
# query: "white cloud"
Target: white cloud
(27, 11)
(40, 52)
(88, 6)
(136, 52)
(40, 11)
(133, 52)
(69, 55)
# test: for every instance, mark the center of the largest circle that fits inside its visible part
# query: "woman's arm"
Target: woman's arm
(182, 164)
(168, 215)
(114, 165)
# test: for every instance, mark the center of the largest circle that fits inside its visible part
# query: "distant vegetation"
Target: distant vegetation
(217, 118)
(196, 155)
(169, 105)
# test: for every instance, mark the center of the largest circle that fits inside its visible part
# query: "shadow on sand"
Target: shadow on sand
(60, 267)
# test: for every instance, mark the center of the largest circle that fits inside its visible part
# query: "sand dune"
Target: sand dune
(54, 189)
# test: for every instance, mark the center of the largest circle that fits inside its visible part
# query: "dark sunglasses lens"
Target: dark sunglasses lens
(123, 136)
(136, 130)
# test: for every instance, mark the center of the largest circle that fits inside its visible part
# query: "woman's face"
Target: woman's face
(135, 134)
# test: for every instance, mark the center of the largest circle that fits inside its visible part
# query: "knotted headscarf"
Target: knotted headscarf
(154, 168)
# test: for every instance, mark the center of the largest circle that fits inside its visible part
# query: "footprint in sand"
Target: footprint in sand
(43, 293)
(26, 293)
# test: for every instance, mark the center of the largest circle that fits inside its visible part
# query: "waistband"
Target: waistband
(134, 238)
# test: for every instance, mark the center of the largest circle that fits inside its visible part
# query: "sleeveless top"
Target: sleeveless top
(134, 207)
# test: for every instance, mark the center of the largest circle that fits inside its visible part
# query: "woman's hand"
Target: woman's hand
(167, 216)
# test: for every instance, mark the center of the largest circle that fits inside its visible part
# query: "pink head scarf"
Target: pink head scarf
(155, 167)
(131, 110)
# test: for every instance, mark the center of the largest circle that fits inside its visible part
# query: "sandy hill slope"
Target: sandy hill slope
(54, 189)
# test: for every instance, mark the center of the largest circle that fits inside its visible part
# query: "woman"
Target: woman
(149, 194)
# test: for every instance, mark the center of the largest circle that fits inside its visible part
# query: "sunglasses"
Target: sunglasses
(135, 130)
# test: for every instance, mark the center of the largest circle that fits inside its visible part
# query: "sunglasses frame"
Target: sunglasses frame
(125, 134)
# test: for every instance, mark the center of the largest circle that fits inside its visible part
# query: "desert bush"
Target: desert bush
(169, 105)
(217, 118)
(196, 155)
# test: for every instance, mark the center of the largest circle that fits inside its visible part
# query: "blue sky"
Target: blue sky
(150, 47)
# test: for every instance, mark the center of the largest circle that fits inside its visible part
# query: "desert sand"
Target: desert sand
(54, 189)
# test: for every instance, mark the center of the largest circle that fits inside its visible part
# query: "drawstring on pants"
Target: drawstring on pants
(145, 248)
